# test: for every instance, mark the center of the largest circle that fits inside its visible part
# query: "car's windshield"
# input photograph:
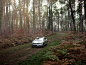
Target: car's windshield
(39, 39)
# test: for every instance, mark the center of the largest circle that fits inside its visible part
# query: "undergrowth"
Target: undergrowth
(49, 37)
(39, 57)
(12, 49)
(78, 63)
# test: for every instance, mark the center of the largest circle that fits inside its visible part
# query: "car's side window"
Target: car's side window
(44, 38)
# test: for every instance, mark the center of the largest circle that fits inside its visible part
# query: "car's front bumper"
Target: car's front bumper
(38, 45)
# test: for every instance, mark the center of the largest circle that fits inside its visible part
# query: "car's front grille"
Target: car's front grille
(36, 43)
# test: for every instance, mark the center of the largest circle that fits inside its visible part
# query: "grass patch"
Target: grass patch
(20, 55)
(38, 58)
(12, 49)
(50, 37)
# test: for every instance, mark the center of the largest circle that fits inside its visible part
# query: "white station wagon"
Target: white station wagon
(39, 41)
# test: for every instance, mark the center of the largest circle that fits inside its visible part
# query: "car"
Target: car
(39, 41)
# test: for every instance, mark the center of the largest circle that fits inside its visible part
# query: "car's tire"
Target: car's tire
(43, 45)
(32, 46)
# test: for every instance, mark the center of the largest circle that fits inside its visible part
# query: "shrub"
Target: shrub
(48, 56)
(78, 63)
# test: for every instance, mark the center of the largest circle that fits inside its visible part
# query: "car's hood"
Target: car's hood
(36, 41)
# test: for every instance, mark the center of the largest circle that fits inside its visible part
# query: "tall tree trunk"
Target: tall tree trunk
(9, 16)
(21, 21)
(27, 17)
(61, 19)
(2, 9)
(68, 17)
(14, 14)
(47, 15)
(1, 12)
(39, 15)
(24, 17)
(6, 20)
(33, 16)
(16, 21)
(85, 11)
(28, 22)
(81, 16)
(72, 15)
(42, 25)
(51, 18)
(85, 8)
(58, 21)
(12, 22)
(20, 16)
(71, 26)
(77, 27)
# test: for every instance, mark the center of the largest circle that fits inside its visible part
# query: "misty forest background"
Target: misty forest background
(30, 16)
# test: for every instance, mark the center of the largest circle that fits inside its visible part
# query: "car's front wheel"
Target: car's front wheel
(32, 46)
(43, 45)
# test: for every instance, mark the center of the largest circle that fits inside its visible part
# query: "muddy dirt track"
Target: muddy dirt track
(15, 57)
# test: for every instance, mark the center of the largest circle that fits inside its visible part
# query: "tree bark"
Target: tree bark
(12, 22)
(33, 16)
(72, 15)
(58, 21)
(85, 8)
(71, 26)
(1, 12)
(39, 15)
(51, 18)
(9, 16)
(24, 17)
(68, 17)
(6, 20)
(61, 19)
(20, 16)
(81, 16)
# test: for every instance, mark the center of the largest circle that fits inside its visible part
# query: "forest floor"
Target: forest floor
(71, 50)
(16, 54)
